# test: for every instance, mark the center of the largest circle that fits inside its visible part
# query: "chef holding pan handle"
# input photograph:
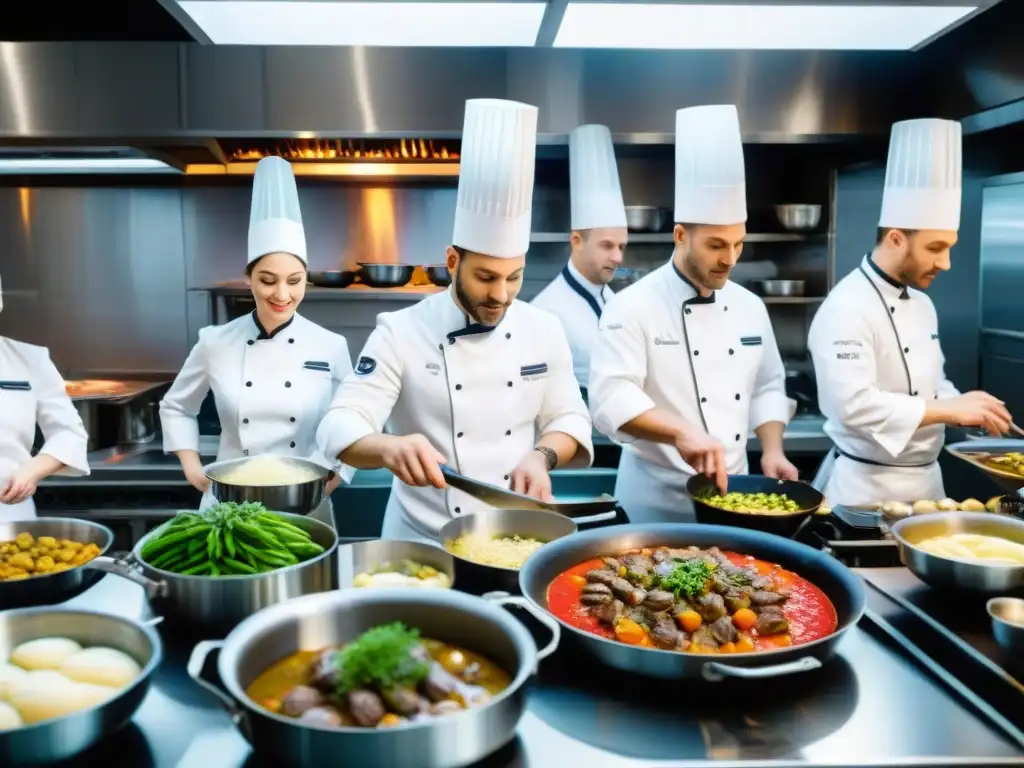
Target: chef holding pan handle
(272, 372)
(470, 377)
(32, 394)
(878, 361)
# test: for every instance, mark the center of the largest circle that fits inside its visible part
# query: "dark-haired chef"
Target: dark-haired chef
(273, 372)
(469, 377)
(686, 363)
(882, 386)
(598, 241)
(32, 394)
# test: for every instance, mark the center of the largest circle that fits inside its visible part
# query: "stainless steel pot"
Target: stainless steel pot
(798, 217)
(130, 418)
(296, 499)
(785, 288)
(385, 275)
(64, 737)
(215, 605)
(336, 618)
(645, 218)
(364, 556)
(841, 586)
(959, 575)
(1007, 614)
(479, 578)
(438, 274)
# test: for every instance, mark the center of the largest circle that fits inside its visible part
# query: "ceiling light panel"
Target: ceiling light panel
(888, 27)
(240, 22)
(84, 165)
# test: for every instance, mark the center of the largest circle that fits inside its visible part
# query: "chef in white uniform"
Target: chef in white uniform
(686, 363)
(469, 377)
(32, 393)
(875, 340)
(273, 372)
(598, 241)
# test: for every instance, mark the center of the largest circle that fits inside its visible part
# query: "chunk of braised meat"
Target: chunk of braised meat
(609, 613)
(596, 588)
(473, 672)
(720, 585)
(324, 674)
(711, 607)
(665, 635)
(764, 597)
(601, 576)
(404, 701)
(627, 593)
(440, 683)
(446, 707)
(325, 717)
(637, 562)
(760, 582)
(659, 600)
(299, 699)
(596, 598)
(724, 630)
(704, 638)
(366, 707)
(661, 555)
(736, 600)
(770, 621)
(612, 563)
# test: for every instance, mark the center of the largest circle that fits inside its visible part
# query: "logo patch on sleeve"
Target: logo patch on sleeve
(366, 366)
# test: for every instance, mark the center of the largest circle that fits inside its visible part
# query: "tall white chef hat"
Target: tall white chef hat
(711, 183)
(495, 202)
(275, 220)
(594, 179)
(923, 176)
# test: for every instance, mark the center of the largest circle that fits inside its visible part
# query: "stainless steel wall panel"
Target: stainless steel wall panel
(1002, 257)
(224, 88)
(37, 88)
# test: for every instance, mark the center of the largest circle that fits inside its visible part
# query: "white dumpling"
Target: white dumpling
(101, 666)
(898, 509)
(947, 505)
(8, 675)
(44, 652)
(44, 694)
(9, 717)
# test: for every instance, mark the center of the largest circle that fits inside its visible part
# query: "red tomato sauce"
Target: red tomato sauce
(810, 613)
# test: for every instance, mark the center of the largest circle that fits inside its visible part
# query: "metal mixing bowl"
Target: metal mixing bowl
(1007, 614)
(959, 575)
(385, 275)
(62, 738)
(787, 288)
(644, 218)
(364, 556)
(297, 498)
(798, 217)
(438, 274)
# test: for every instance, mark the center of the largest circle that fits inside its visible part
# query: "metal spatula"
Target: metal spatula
(602, 508)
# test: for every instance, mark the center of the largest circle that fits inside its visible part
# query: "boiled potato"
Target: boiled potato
(101, 666)
(9, 717)
(9, 674)
(44, 653)
(43, 694)
(992, 505)
(897, 509)
(947, 505)
(972, 505)
(924, 506)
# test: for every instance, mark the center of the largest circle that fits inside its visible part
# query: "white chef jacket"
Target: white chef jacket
(480, 394)
(877, 360)
(578, 303)
(32, 392)
(271, 389)
(712, 360)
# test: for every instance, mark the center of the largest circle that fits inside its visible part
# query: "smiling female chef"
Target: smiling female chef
(686, 363)
(469, 376)
(273, 373)
(32, 393)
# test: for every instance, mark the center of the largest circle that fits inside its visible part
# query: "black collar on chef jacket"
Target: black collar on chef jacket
(473, 328)
(697, 298)
(263, 335)
(894, 283)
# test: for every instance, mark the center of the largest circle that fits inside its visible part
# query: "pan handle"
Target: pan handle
(603, 517)
(715, 671)
(504, 598)
(196, 662)
(124, 569)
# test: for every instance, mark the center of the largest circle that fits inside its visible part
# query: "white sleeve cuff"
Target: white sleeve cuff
(620, 408)
(339, 430)
(71, 450)
(579, 428)
(769, 406)
(903, 422)
(181, 433)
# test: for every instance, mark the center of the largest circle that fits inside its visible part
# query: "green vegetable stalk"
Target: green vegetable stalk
(381, 657)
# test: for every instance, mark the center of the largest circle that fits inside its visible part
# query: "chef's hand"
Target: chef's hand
(778, 466)
(19, 486)
(705, 454)
(413, 460)
(978, 409)
(531, 477)
(332, 483)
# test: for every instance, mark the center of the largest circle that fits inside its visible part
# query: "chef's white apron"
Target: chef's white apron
(324, 513)
(26, 510)
(398, 525)
(855, 483)
(652, 494)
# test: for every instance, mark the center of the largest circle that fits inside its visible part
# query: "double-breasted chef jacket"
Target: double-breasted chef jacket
(578, 303)
(480, 394)
(32, 393)
(712, 360)
(271, 389)
(877, 360)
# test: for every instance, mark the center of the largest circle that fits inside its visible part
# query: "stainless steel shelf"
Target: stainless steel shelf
(666, 237)
(792, 299)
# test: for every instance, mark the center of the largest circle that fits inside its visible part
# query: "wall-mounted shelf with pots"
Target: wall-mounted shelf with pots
(666, 237)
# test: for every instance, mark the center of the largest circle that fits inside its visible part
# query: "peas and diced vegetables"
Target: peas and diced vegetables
(753, 503)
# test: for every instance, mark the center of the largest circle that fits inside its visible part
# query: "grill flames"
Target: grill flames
(411, 150)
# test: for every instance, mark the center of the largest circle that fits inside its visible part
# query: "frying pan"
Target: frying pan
(601, 509)
(974, 450)
(700, 487)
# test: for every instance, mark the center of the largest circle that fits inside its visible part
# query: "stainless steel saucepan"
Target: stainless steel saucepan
(295, 498)
(335, 618)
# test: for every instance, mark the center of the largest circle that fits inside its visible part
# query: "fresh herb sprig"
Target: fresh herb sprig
(688, 577)
(381, 657)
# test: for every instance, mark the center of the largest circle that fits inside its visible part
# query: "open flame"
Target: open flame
(418, 150)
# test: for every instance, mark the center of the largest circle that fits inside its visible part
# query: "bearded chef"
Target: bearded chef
(686, 363)
(32, 394)
(469, 377)
(598, 240)
(875, 339)
(272, 372)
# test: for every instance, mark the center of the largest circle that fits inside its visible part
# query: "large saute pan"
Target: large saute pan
(334, 618)
(804, 494)
(841, 586)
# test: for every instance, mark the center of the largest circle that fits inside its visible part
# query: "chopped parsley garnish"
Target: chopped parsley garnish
(688, 578)
(381, 657)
